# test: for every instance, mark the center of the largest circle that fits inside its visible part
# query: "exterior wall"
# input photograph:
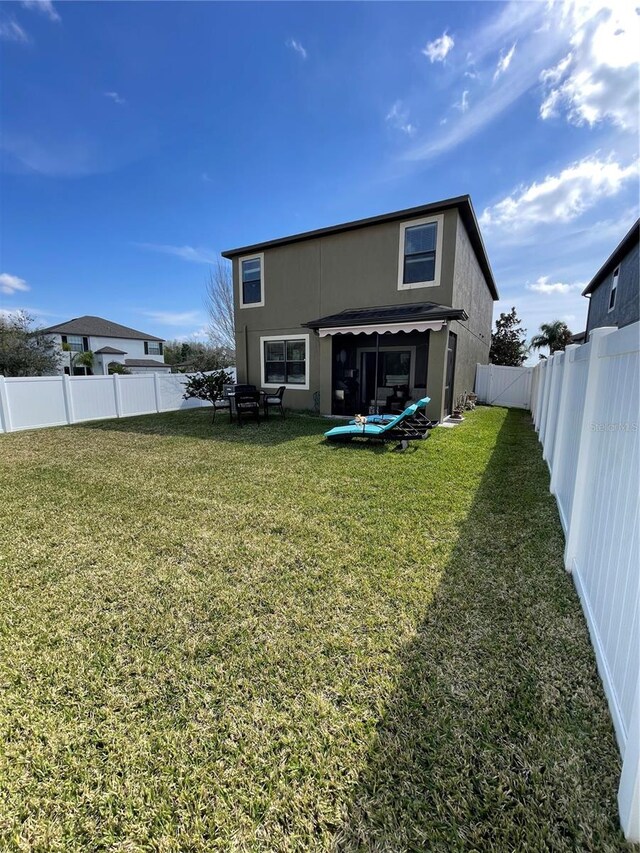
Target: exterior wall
(133, 348)
(321, 276)
(627, 307)
(470, 292)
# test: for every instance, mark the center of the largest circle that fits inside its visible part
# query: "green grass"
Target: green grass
(224, 639)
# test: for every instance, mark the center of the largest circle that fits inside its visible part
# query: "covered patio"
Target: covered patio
(384, 357)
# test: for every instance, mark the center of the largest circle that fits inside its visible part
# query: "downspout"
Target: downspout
(246, 356)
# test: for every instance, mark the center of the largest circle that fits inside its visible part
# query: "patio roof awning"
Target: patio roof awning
(415, 317)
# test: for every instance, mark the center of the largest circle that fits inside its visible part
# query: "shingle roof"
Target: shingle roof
(145, 362)
(100, 328)
(389, 314)
(110, 351)
(462, 203)
(624, 247)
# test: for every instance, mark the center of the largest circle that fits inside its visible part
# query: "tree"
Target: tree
(117, 367)
(554, 335)
(25, 351)
(219, 298)
(187, 356)
(82, 359)
(207, 386)
(508, 342)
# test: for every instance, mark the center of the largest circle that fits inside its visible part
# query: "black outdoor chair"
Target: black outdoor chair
(274, 401)
(224, 402)
(247, 405)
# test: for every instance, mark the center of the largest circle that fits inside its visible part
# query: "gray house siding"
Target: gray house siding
(627, 307)
(470, 291)
(330, 273)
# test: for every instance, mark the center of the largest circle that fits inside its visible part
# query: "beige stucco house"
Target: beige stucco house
(392, 307)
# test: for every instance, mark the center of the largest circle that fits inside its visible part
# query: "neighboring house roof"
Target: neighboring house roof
(389, 314)
(99, 328)
(109, 351)
(579, 338)
(462, 203)
(145, 362)
(623, 248)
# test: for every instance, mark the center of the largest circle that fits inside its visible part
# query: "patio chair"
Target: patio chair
(223, 403)
(247, 405)
(410, 425)
(274, 401)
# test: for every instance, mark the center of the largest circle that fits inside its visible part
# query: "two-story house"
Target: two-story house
(110, 343)
(394, 307)
(614, 291)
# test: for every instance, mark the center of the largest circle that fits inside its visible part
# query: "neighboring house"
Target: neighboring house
(110, 343)
(411, 292)
(614, 291)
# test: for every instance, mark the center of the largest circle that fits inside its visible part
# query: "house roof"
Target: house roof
(388, 314)
(110, 351)
(462, 203)
(99, 327)
(145, 362)
(623, 248)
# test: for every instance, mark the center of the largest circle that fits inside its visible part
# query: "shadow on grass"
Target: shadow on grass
(197, 423)
(498, 736)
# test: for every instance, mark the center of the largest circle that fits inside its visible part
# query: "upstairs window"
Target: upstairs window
(251, 281)
(76, 343)
(152, 348)
(420, 251)
(614, 288)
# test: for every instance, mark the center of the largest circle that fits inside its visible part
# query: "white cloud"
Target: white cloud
(294, 44)
(438, 49)
(45, 6)
(11, 284)
(398, 117)
(597, 79)
(187, 253)
(174, 318)
(504, 62)
(543, 285)
(562, 197)
(11, 30)
(115, 97)
(463, 103)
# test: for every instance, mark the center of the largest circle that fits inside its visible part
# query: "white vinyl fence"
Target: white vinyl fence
(585, 406)
(504, 386)
(42, 401)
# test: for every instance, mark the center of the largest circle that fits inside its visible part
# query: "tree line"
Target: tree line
(509, 345)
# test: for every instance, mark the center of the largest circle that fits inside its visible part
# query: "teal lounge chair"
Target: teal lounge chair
(411, 425)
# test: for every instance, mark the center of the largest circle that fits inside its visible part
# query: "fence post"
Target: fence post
(560, 440)
(551, 427)
(117, 394)
(585, 443)
(629, 789)
(548, 373)
(68, 398)
(5, 411)
(156, 391)
(544, 374)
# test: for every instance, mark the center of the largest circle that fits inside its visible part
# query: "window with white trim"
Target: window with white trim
(614, 289)
(420, 253)
(251, 281)
(152, 348)
(285, 361)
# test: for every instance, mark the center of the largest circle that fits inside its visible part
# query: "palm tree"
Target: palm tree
(82, 359)
(554, 335)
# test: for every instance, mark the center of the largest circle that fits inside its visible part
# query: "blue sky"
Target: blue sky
(140, 139)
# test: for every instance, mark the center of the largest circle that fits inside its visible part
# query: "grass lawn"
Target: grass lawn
(224, 639)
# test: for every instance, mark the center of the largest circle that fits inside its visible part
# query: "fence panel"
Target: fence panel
(171, 389)
(137, 394)
(497, 385)
(92, 398)
(33, 402)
